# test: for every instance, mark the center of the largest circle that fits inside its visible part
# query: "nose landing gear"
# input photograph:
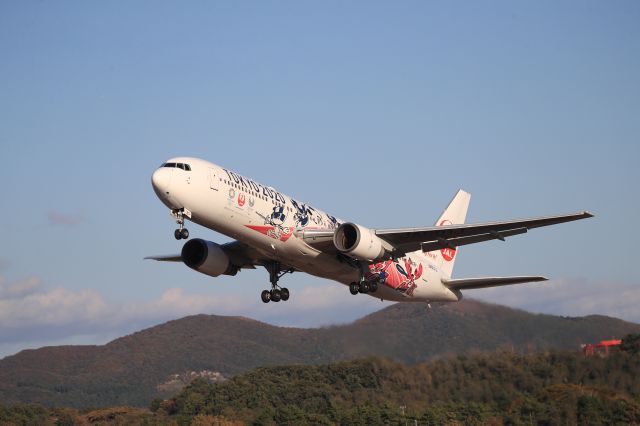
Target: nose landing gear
(181, 233)
(276, 293)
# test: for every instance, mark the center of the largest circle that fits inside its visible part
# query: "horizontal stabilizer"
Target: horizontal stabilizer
(166, 258)
(471, 283)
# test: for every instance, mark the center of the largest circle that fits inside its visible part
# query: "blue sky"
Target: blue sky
(373, 111)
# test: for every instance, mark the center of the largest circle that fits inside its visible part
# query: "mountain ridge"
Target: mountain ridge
(128, 369)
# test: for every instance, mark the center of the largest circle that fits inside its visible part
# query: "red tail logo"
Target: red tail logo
(447, 253)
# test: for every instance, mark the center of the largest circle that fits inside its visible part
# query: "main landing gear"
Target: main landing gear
(364, 286)
(181, 233)
(276, 293)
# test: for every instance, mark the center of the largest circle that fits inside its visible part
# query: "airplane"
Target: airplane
(284, 235)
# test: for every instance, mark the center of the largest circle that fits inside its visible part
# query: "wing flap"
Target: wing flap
(484, 282)
(461, 241)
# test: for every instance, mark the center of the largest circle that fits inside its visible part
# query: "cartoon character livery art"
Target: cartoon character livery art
(307, 216)
(272, 230)
(275, 225)
(396, 276)
(301, 217)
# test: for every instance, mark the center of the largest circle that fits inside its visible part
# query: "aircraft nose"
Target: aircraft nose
(160, 180)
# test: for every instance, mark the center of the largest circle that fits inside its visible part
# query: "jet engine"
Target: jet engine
(358, 242)
(207, 257)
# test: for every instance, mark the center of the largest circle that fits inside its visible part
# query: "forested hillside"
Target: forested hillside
(554, 388)
(551, 388)
(130, 370)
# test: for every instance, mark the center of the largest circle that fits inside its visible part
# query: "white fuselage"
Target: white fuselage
(267, 220)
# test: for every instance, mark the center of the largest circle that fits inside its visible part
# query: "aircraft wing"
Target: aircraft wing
(472, 283)
(166, 258)
(319, 239)
(240, 255)
(243, 255)
(406, 240)
(450, 236)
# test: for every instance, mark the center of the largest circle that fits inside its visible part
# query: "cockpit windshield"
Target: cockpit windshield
(182, 166)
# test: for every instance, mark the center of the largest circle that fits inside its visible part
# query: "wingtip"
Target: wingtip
(587, 214)
(463, 192)
(167, 258)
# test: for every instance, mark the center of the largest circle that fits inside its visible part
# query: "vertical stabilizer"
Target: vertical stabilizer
(454, 214)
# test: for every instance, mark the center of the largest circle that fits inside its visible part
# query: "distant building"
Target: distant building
(176, 382)
(601, 348)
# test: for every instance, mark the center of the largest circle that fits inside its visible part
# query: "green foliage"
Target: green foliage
(155, 404)
(502, 388)
(37, 415)
(631, 344)
(64, 419)
(24, 414)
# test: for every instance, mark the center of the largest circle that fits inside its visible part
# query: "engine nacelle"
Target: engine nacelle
(358, 242)
(207, 257)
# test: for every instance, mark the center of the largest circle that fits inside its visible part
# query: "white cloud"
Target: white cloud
(18, 289)
(63, 219)
(31, 312)
(570, 296)
(28, 303)
(174, 303)
(41, 310)
(325, 304)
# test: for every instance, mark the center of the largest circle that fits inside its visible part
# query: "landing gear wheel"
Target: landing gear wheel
(364, 287)
(373, 286)
(181, 233)
(354, 288)
(284, 294)
(276, 295)
(265, 296)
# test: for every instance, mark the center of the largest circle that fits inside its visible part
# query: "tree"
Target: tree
(631, 343)
(155, 404)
